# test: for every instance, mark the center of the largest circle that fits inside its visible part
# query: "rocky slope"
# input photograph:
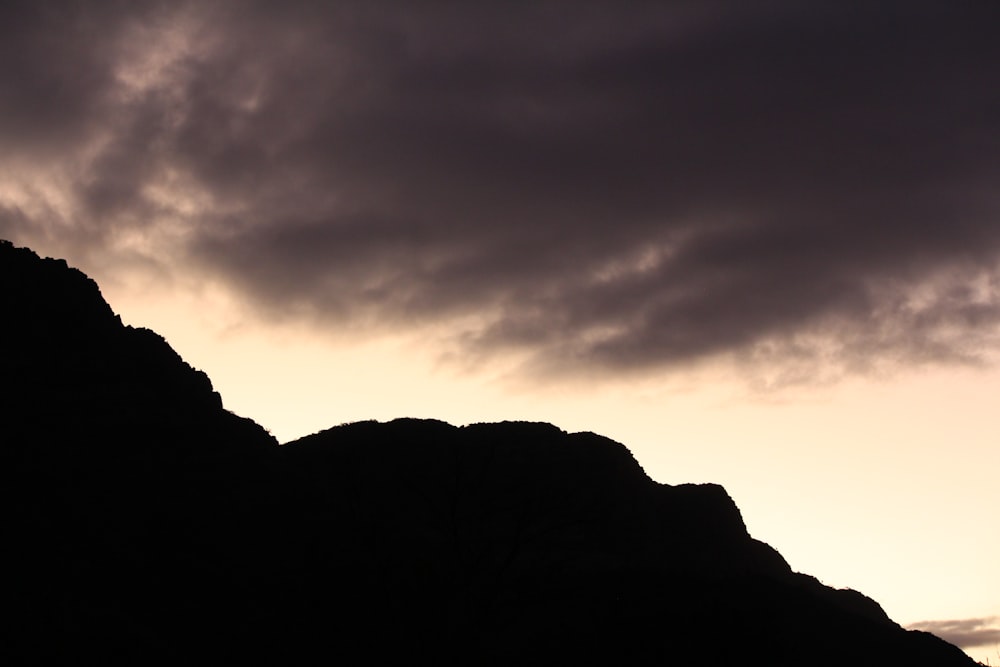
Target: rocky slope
(146, 523)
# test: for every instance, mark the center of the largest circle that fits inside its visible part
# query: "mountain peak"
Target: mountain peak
(152, 526)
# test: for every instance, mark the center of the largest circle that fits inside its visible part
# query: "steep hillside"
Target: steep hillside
(146, 523)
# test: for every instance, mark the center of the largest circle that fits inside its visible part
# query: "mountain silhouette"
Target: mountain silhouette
(145, 523)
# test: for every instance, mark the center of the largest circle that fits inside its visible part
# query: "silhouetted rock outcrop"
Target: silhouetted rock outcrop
(146, 523)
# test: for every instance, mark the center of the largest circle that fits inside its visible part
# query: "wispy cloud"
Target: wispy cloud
(964, 633)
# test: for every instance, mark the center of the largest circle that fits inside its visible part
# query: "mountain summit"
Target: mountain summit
(146, 523)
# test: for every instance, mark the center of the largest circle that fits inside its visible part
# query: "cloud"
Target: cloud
(965, 633)
(598, 188)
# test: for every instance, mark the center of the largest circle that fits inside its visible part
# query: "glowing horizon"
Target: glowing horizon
(757, 245)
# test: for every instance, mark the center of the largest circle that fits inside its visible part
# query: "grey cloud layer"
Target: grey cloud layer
(966, 633)
(596, 186)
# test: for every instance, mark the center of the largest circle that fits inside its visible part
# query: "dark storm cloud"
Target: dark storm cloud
(965, 633)
(602, 187)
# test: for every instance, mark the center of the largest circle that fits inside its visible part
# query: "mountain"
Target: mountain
(146, 523)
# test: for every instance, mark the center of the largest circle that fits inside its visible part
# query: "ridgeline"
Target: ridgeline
(145, 523)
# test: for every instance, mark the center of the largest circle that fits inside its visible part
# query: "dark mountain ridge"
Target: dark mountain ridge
(147, 523)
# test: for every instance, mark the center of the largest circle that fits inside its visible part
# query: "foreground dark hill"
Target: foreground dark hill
(145, 523)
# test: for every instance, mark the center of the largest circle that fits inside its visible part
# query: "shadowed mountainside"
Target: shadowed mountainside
(146, 523)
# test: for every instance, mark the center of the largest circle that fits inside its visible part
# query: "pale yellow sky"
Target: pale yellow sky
(457, 192)
(885, 485)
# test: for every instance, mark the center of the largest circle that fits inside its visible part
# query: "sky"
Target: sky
(758, 243)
